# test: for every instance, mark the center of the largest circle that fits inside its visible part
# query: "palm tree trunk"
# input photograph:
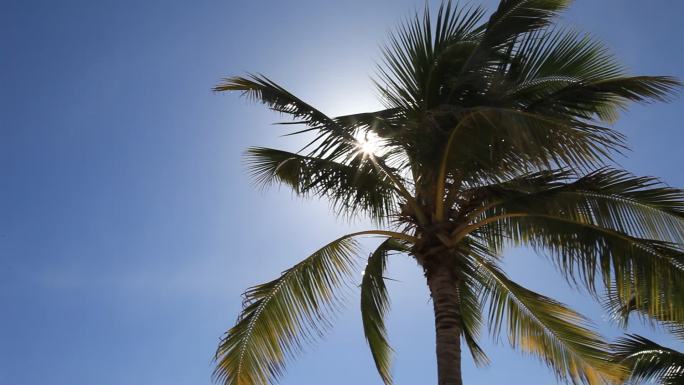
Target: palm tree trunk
(443, 289)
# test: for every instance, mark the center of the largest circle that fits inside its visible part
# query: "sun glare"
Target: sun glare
(369, 144)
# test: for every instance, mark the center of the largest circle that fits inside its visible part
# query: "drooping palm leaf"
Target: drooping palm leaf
(471, 305)
(375, 305)
(669, 315)
(607, 224)
(281, 315)
(622, 226)
(584, 252)
(538, 325)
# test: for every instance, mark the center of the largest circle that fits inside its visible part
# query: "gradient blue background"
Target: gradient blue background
(129, 228)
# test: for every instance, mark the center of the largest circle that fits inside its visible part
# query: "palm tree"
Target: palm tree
(493, 134)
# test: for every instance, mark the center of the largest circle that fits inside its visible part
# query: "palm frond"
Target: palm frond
(649, 361)
(563, 73)
(562, 54)
(604, 97)
(262, 89)
(417, 60)
(280, 316)
(332, 139)
(648, 270)
(492, 143)
(608, 225)
(541, 326)
(516, 17)
(496, 40)
(547, 61)
(613, 199)
(670, 317)
(383, 123)
(471, 309)
(357, 185)
(375, 305)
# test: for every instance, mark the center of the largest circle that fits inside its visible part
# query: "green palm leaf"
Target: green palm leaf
(670, 317)
(613, 199)
(375, 305)
(332, 139)
(604, 97)
(649, 361)
(494, 143)
(417, 62)
(516, 17)
(565, 55)
(262, 89)
(622, 226)
(650, 271)
(356, 185)
(471, 306)
(607, 224)
(281, 315)
(543, 327)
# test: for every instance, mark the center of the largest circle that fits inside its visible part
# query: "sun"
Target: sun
(369, 144)
(368, 147)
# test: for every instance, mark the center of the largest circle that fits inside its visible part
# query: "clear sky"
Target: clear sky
(129, 228)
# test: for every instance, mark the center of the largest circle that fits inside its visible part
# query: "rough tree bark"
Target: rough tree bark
(443, 289)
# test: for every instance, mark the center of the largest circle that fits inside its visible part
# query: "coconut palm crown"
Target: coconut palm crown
(495, 132)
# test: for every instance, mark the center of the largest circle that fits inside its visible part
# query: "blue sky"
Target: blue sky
(129, 228)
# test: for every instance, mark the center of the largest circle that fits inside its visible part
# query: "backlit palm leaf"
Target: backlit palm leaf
(279, 316)
(356, 185)
(669, 314)
(649, 361)
(262, 89)
(332, 139)
(496, 142)
(545, 328)
(613, 199)
(471, 306)
(375, 305)
(607, 222)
